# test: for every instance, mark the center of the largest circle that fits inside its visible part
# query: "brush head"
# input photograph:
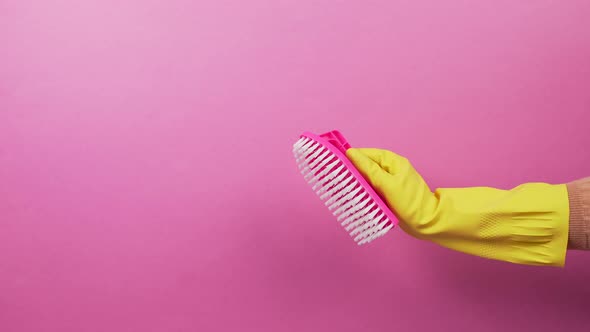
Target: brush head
(323, 163)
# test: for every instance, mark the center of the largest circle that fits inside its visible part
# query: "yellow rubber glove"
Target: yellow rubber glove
(526, 225)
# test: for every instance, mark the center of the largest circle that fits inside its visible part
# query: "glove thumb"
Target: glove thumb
(399, 184)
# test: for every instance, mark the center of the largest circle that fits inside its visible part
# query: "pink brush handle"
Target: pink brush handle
(337, 139)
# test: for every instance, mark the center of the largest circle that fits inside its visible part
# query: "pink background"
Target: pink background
(147, 183)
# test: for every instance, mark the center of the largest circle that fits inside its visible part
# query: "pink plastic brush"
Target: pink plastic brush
(322, 161)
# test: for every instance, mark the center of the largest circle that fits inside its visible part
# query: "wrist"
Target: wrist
(579, 216)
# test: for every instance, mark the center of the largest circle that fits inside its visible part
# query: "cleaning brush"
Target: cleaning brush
(323, 163)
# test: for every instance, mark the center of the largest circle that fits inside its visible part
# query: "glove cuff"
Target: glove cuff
(579, 219)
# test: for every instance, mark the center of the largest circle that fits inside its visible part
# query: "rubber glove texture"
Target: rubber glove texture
(526, 225)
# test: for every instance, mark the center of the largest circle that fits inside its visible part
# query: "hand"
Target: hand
(399, 184)
(527, 224)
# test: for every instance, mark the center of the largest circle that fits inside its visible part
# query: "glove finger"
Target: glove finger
(394, 178)
(377, 177)
(389, 161)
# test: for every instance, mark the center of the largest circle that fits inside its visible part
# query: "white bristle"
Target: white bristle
(351, 200)
(323, 173)
(367, 226)
(304, 159)
(362, 220)
(303, 162)
(306, 145)
(355, 207)
(316, 154)
(377, 234)
(311, 154)
(371, 228)
(357, 215)
(335, 195)
(319, 170)
(300, 143)
(333, 181)
(306, 150)
(306, 169)
(340, 191)
(322, 160)
(348, 201)
(341, 197)
(297, 145)
(327, 178)
(333, 190)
